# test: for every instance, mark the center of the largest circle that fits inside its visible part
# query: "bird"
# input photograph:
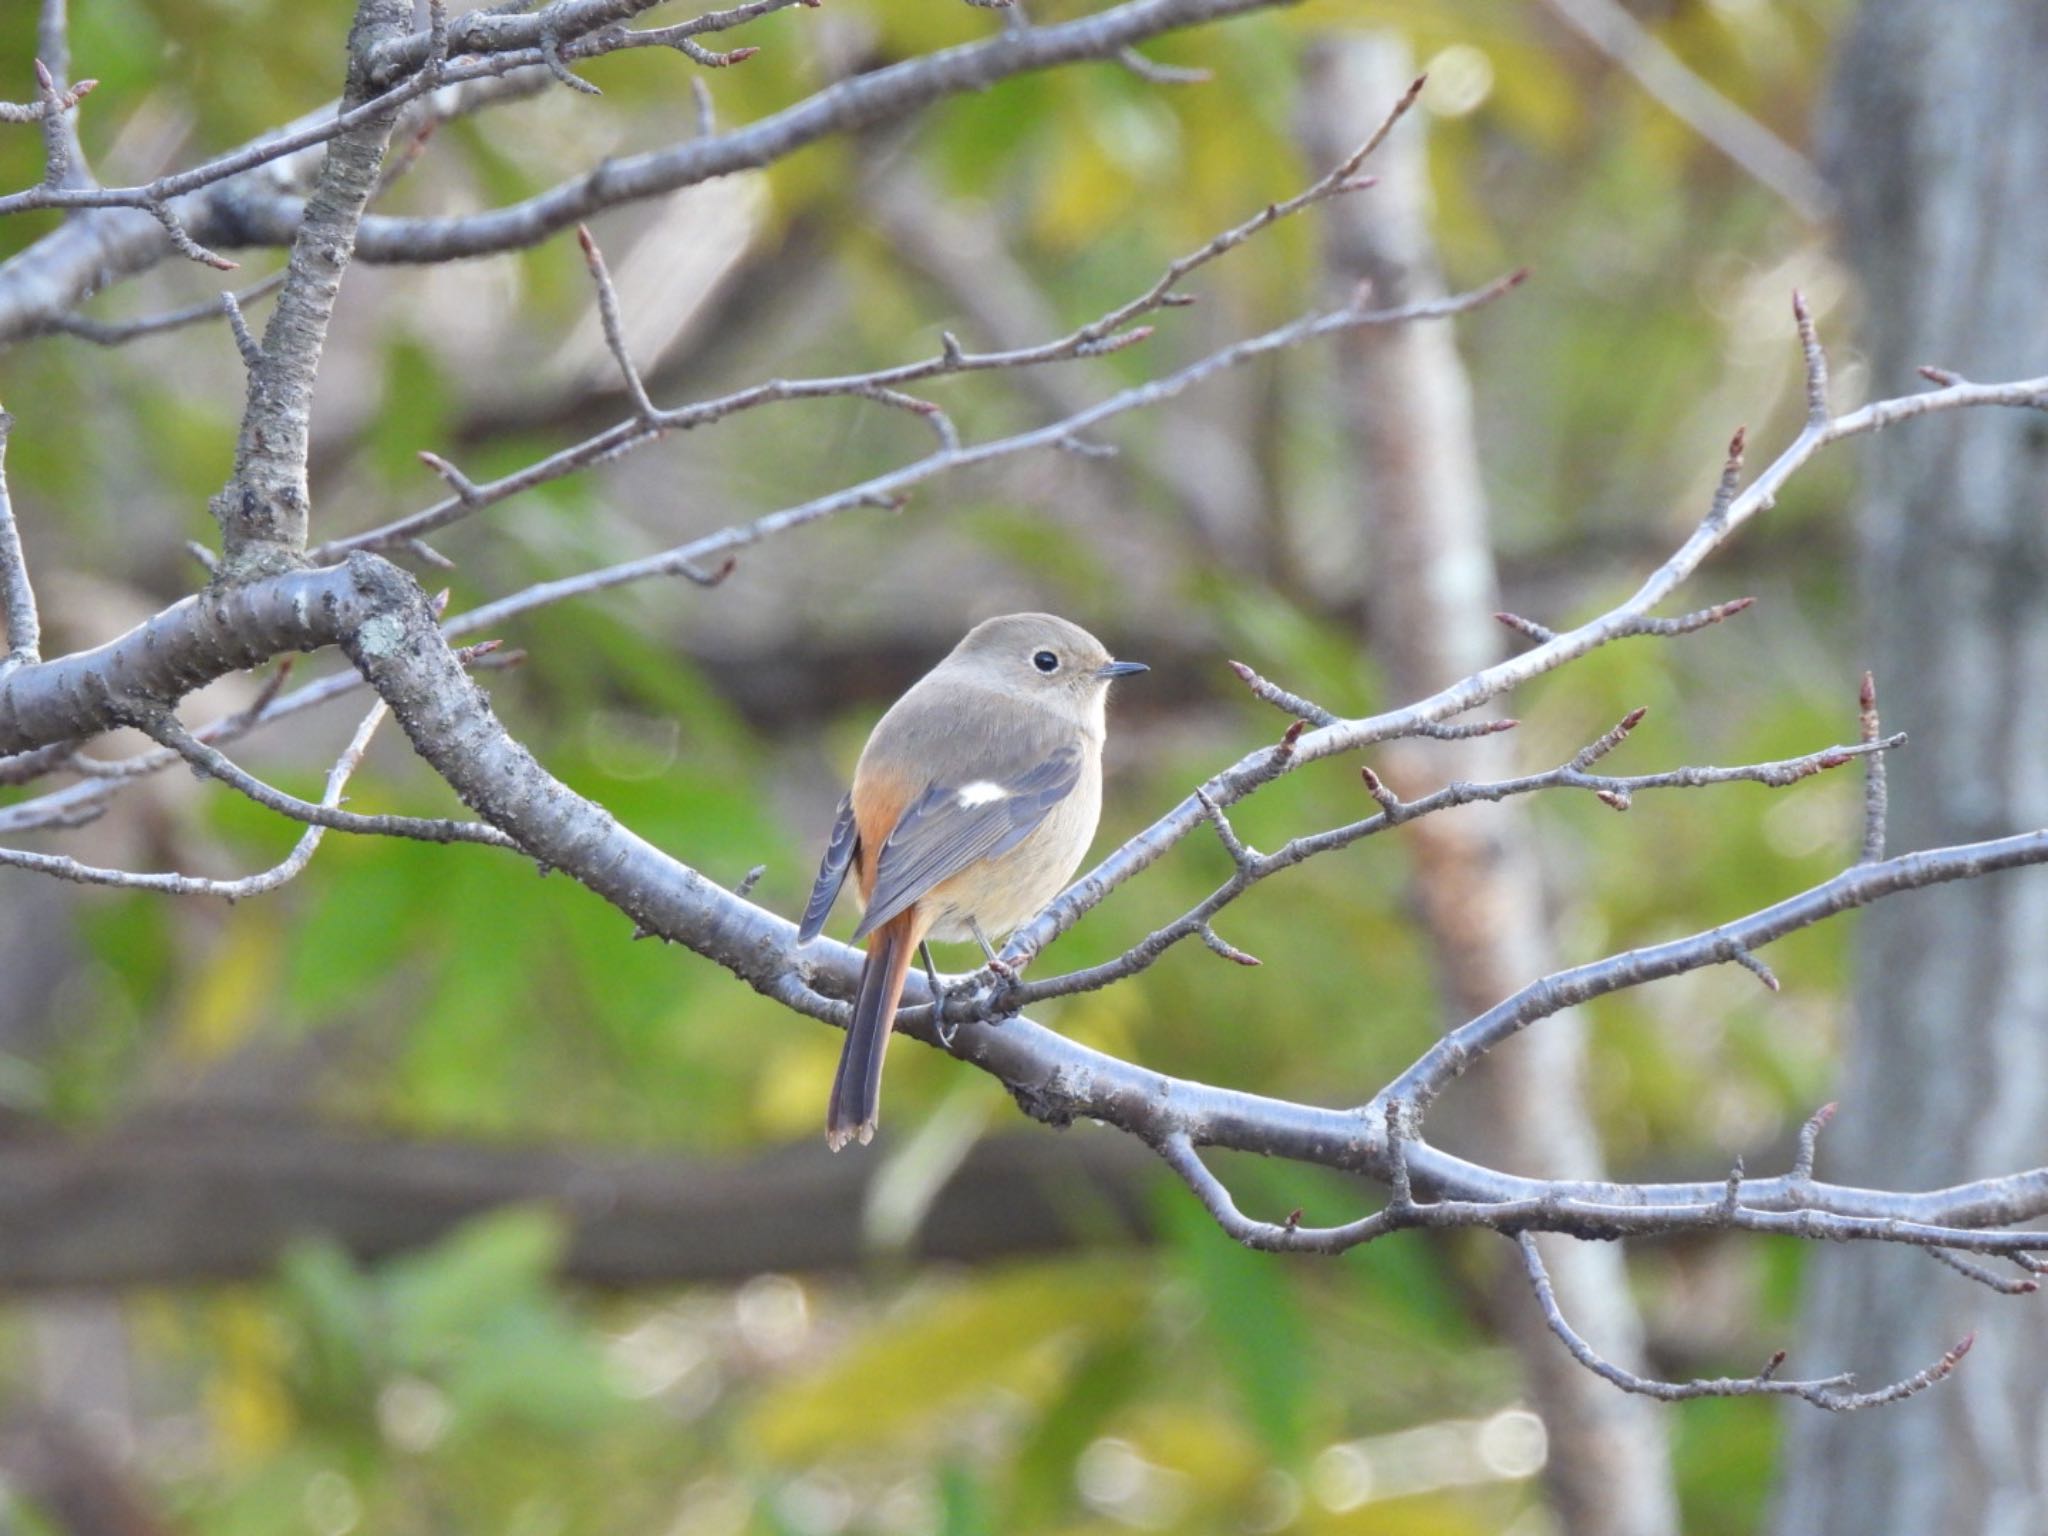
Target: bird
(971, 806)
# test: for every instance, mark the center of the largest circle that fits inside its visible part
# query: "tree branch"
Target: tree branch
(1109, 332)
(1724, 519)
(258, 884)
(263, 509)
(860, 102)
(392, 633)
(17, 597)
(1834, 1393)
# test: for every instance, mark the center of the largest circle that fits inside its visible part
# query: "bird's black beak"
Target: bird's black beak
(1120, 669)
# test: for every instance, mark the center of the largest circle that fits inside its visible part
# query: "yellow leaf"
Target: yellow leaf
(907, 1379)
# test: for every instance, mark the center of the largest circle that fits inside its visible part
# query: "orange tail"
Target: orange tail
(857, 1090)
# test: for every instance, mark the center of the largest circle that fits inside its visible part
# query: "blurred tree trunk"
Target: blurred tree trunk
(1938, 140)
(1431, 590)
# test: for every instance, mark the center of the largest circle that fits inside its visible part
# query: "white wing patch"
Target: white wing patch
(981, 792)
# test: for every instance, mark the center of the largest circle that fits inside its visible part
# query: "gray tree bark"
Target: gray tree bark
(1431, 590)
(1939, 144)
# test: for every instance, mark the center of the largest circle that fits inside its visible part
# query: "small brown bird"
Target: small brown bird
(971, 806)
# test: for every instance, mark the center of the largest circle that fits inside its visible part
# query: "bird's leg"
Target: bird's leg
(940, 1027)
(1003, 974)
(1002, 968)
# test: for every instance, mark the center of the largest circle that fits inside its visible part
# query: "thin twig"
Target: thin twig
(182, 241)
(245, 343)
(173, 884)
(1721, 524)
(211, 764)
(114, 333)
(1109, 332)
(614, 328)
(1817, 415)
(1272, 693)
(1834, 1393)
(1809, 1142)
(82, 802)
(1253, 866)
(1731, 477)
(1528, 628)
(1154, 73)
(885, 490)
(1688, 623)
(2005, 1285)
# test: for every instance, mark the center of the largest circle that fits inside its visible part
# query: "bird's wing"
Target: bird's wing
(831, 872)
(960, 819)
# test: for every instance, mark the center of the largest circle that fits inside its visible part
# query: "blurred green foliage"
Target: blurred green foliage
(1195, 1387)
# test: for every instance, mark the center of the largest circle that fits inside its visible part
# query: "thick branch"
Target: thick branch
(387, 625)
(263, 509)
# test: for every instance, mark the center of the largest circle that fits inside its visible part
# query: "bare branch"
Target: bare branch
(1875, 798)
(1109, 332)
(1436, 730)
(211, 764)
(1229, 951)
(196, 885)
(262, 510)
(1591, 753)
(17, 597)
(551, 55)
(884, 490)
(1816, 364)
(1273, 1237)
(182, 241)
(614, 332)
(114, 333)
(1468, 693)
(864, 101)
(2005, 1285)
(1528, 628)
(1686, 624)
(1834, 1393)
(252, 354)
(1155, 73)
(1809, 1143)
(1856, 886)
(1731, 477)
(1245, 858)
(1291, 703)
(83, 802)
(1756, 967)
(36, 111)
(56, 98)
(1253, 866)
(559, 38)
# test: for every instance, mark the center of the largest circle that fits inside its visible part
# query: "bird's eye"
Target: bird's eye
(1046, 662)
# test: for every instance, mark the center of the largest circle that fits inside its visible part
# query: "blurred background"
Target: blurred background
(414, 1198)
